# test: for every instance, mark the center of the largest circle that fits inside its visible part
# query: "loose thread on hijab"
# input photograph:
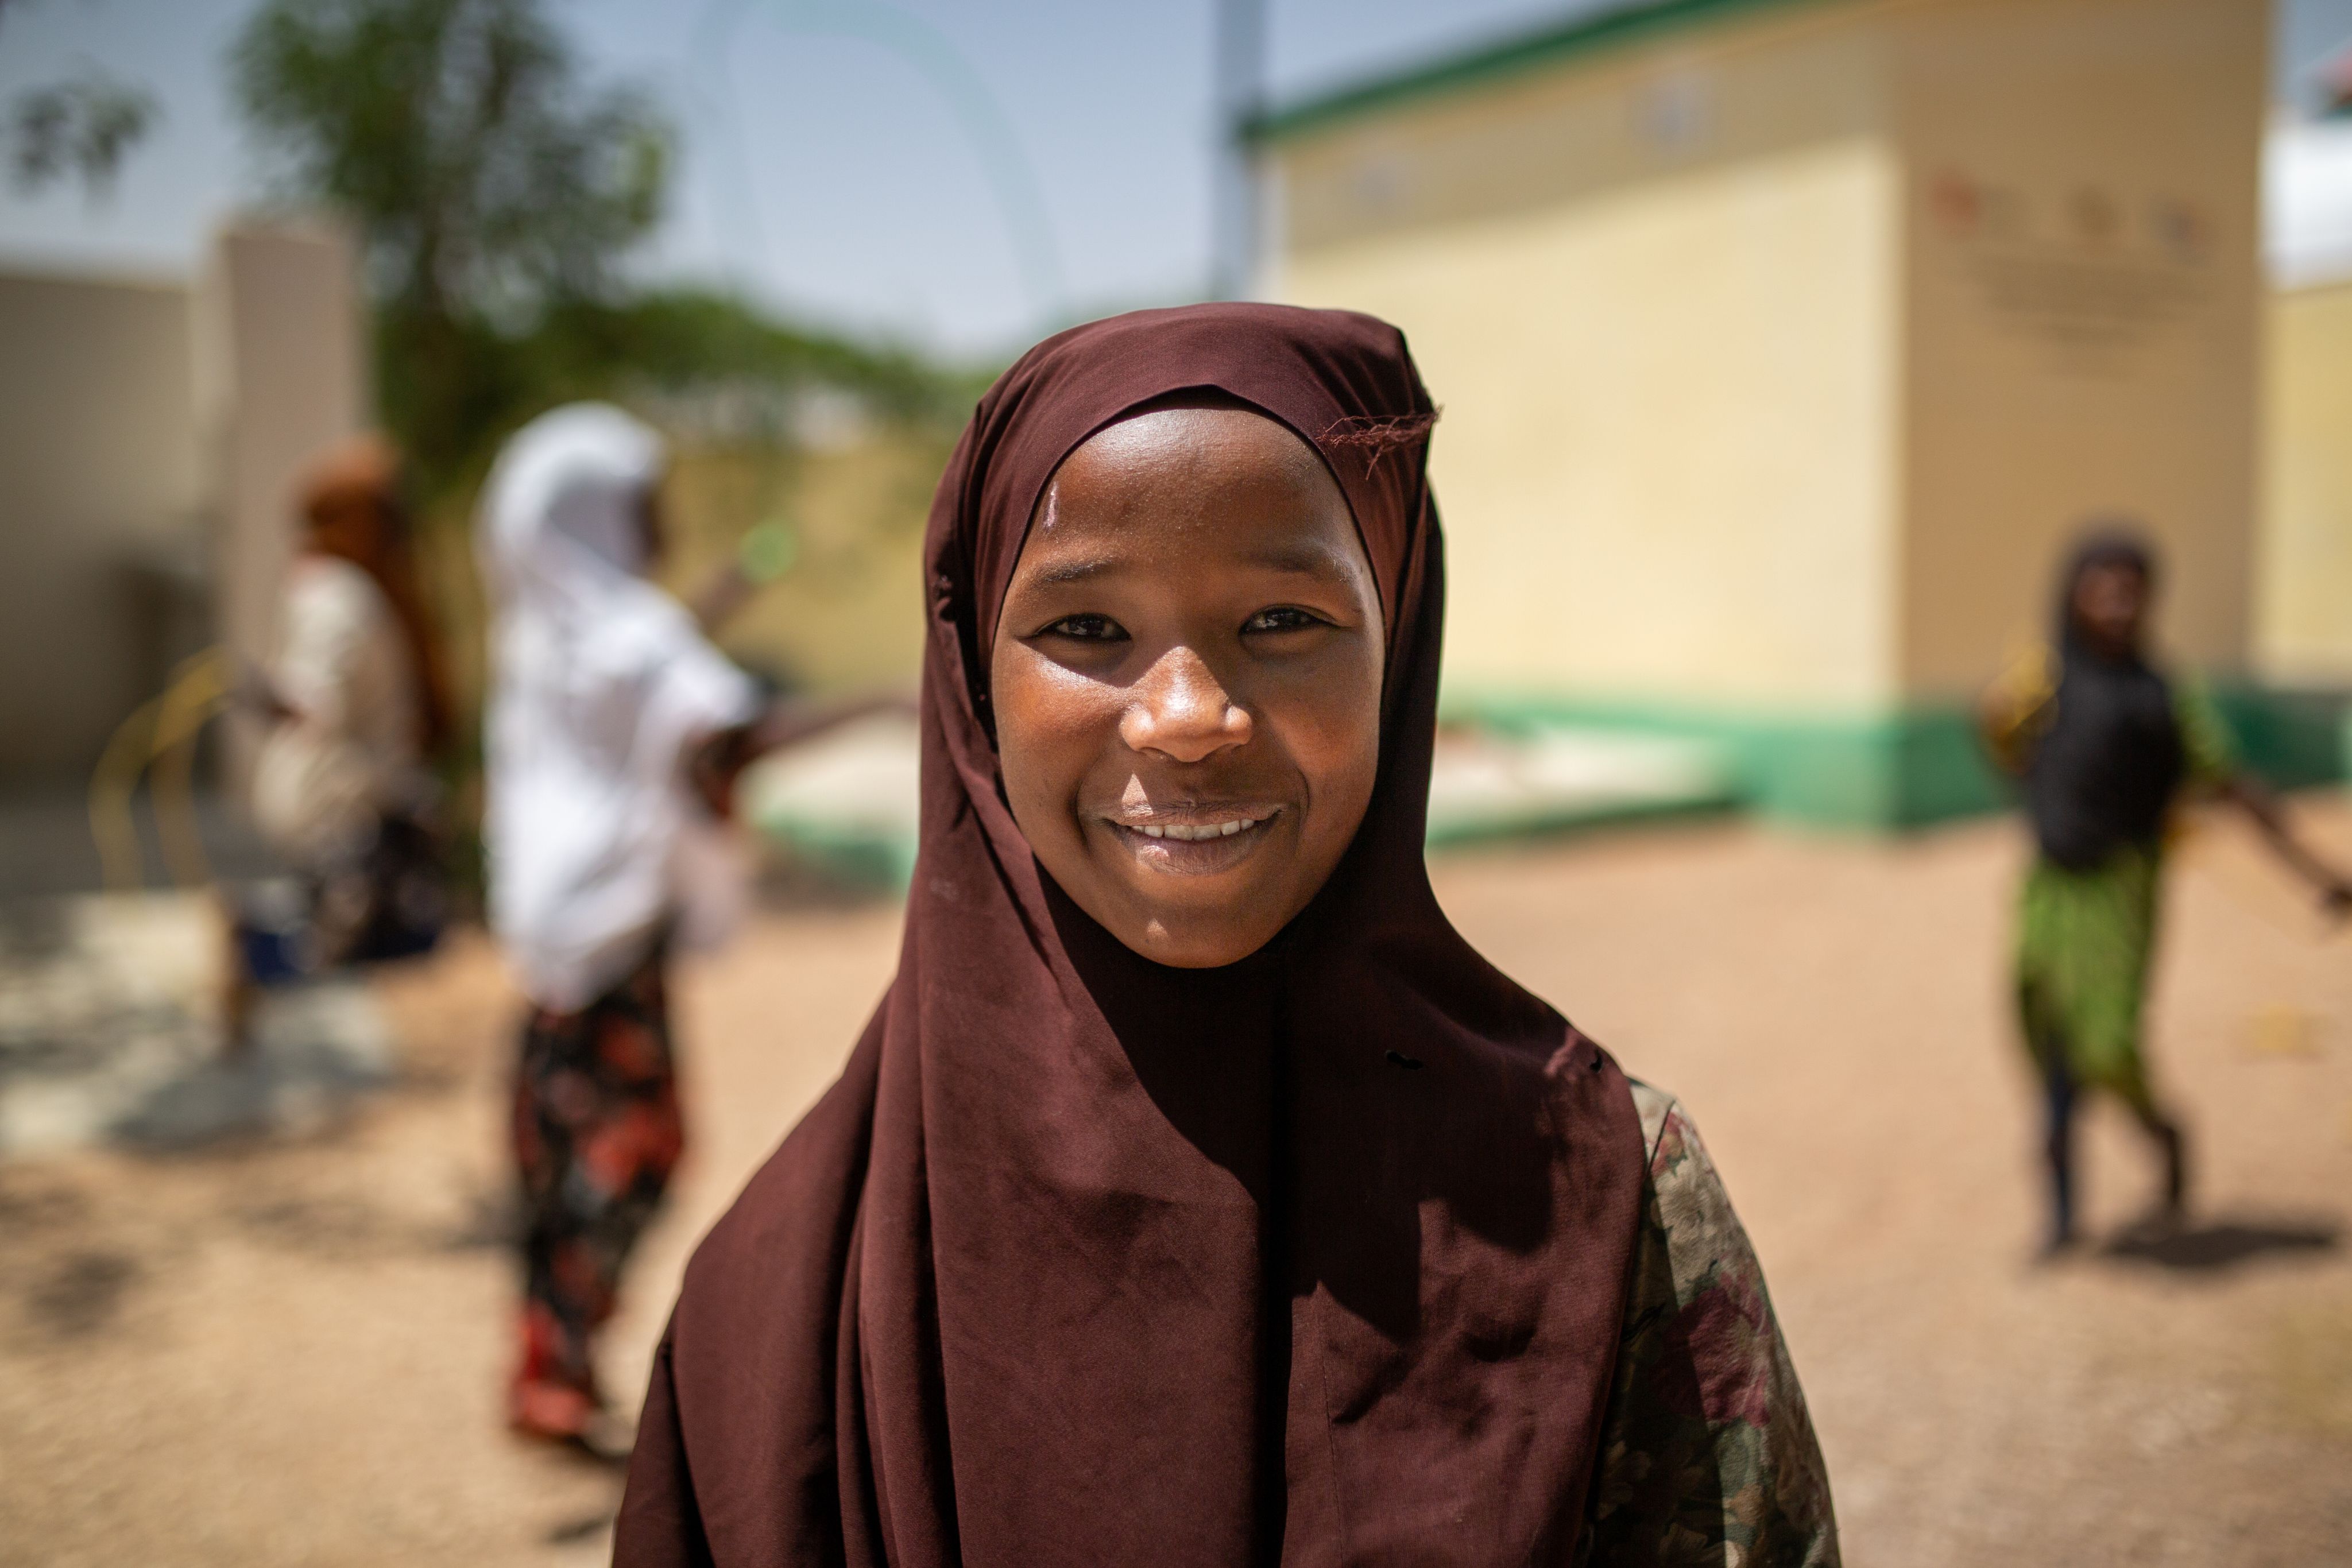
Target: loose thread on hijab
(1379, 435)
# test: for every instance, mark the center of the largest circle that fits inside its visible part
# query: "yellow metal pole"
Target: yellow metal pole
(198, 690)
(165, 723)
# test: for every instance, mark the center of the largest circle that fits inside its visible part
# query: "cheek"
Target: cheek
(1051, 723)
(1332, 730)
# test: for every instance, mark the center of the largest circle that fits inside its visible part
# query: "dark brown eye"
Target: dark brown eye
(1087, 629)
(1283, 618)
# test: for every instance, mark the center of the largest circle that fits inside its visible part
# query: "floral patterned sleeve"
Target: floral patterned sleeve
(1707, 1456)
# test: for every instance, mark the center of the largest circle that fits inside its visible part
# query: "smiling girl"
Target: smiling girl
(1197, 1195)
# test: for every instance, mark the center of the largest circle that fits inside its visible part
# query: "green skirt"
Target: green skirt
(2083, 942)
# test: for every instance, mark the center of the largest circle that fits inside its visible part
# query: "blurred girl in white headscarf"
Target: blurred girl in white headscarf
(614, 732)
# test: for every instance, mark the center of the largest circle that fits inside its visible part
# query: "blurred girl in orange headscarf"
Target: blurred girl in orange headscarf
(343, 787)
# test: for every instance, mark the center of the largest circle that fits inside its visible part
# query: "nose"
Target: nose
(1182, 711)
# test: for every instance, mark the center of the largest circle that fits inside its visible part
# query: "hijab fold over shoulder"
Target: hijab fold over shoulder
(1086, 1260)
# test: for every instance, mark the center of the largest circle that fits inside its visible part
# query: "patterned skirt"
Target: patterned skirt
(2084, 939)
(596, 1134)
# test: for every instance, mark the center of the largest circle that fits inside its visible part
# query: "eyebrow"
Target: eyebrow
(1293, 561)
(1073, 571)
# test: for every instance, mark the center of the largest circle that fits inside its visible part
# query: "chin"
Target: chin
(1197, 955)
(1195, 938)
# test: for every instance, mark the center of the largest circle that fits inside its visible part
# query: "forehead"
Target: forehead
(2112, 574)
(1189, 469)
(1189, 497)
(1191, 494)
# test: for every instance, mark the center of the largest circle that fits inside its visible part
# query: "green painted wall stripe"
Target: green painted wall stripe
(2293, 737)
(1867, 770)
(1586, 35)
(1916, 765)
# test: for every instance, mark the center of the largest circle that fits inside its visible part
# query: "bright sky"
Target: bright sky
(825, 169)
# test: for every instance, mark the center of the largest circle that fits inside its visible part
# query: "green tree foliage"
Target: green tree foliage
(484, 175)
(83, 125)
(496, 194)
(678, 340)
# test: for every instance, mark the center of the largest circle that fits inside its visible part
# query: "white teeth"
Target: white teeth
(1187, 832)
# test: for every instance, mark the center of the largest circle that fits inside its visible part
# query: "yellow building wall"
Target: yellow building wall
(2303, 601)
(1783, 353)
(2080, 333)
(1656, 297)
(841, 619)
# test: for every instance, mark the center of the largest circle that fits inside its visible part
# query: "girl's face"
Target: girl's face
(1187, 681)
(2111, 604)
(355, 530)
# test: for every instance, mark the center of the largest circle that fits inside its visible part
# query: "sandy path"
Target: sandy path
(290, 1354)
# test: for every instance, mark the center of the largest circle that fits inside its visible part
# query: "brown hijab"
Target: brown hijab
(1317, 1258)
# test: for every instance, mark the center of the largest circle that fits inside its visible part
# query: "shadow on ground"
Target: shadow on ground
(300, 1085)
(110, 1033)
(2223, 1245)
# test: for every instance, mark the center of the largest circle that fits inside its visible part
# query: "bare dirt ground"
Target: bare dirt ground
(290, 1354)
